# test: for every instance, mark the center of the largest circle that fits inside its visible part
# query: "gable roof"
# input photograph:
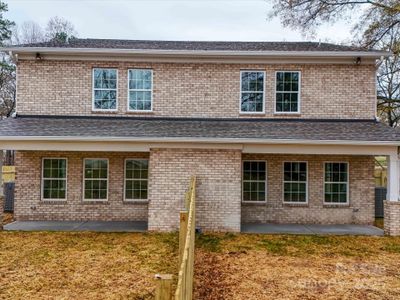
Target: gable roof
(153, 129)
(198, 48)
(193, 45)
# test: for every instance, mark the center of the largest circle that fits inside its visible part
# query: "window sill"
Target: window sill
(287, 114)
(104, 111)
(248, 203)
(295, 204)
(252, 114)
(53, 202)
(135, 202)
(336, 205)
(95, 202)
(144, 112)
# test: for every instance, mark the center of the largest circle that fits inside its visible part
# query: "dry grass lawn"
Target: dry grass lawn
(228, 266)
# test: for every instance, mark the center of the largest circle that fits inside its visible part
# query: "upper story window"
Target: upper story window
(105, 89)
(140, 90)
(287, 92)
(252, 91)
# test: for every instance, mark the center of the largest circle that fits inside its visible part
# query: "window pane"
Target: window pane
(287, 91)
(252, 91)
(336, 176)
(54, 175)
(138, 179)
(254, 181)
(295, 181)
(96, 179)
(140, 93)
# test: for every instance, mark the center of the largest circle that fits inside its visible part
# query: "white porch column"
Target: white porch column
(393, 176)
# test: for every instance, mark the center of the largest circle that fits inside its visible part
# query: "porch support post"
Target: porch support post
(393, 185)
(392, 203)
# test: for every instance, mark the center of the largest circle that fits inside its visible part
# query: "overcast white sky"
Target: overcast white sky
(241, 20)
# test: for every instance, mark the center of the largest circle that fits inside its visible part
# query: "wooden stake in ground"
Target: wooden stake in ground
(164, 287)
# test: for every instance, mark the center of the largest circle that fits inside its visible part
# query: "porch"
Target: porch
(141, 226)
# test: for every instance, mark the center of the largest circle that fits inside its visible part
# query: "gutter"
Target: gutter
(205, 53)
(197, 140)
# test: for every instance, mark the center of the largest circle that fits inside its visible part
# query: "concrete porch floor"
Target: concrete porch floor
(313, 229)
(98, 226)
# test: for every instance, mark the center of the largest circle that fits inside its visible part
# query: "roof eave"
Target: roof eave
(205, 53)
(197, 140)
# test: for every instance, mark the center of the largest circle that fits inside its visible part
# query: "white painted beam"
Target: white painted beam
(393, 184)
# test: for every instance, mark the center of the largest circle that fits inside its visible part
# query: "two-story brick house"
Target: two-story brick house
(275, 132)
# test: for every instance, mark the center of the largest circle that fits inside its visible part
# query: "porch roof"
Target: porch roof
(154, 129)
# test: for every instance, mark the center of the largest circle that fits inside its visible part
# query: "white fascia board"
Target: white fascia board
(221, 53)
(198, 140)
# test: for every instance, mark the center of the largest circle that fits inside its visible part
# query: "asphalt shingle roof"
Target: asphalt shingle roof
(158, 128)
(195, 45)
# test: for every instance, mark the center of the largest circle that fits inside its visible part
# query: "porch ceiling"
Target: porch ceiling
(153, 129)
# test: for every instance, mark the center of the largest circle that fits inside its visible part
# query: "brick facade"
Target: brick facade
(219, 205)
(218, 187)
(392, 217)
(28, 204)
(361, 198)
(196, 90)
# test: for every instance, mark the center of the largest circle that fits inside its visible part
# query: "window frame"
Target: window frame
(148, 176)
(116, 92)
(84, 179)
(283, 183)
(42, 181)
(298, 112)
(140, 90)
(264, 92)
(347, 183)
(266, 181)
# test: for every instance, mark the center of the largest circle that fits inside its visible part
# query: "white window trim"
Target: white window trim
(240, 94)
(116, 90)
(136, 200)
(298, 98)
(283, 182)
(66, 180)
(266, 181)
(347, 184)
(84, 179)
(140, 90)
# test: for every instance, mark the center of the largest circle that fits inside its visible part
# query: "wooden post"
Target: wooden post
(183, 224)
(164, 287)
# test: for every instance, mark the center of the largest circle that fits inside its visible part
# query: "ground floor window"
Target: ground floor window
(54, 179)
(295, 182)
(254, 180)
(336, 182)
(136, 179)
(95, 179)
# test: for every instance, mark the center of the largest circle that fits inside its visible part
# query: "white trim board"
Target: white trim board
(245, 148)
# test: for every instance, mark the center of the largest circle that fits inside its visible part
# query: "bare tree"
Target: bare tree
(27, 33)
(378, 17)
(389, 80)
(60, 29)
(7, 89)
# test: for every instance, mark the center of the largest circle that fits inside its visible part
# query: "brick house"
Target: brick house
(275, 132)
